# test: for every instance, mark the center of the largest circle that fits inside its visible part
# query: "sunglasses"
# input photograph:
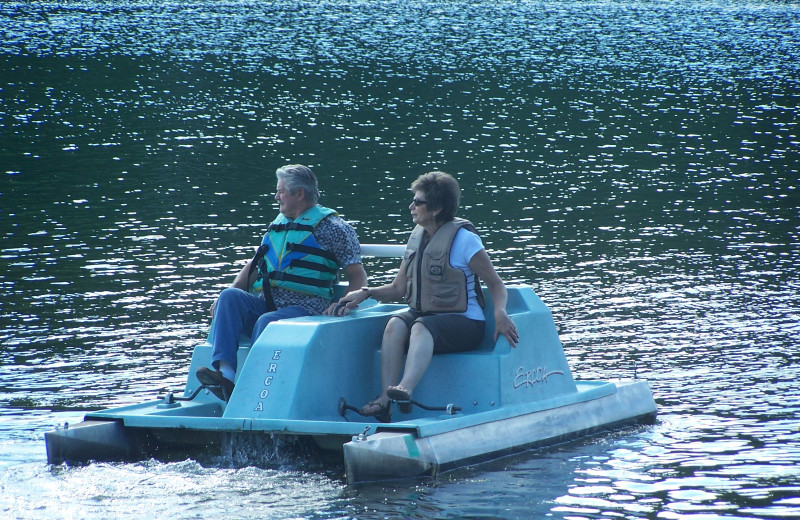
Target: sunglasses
(416, 202)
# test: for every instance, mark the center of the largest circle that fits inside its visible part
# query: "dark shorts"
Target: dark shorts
(451, 332)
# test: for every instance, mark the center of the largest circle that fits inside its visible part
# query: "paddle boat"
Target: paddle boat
(303, 376)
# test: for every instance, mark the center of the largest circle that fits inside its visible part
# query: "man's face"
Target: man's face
(291, 205)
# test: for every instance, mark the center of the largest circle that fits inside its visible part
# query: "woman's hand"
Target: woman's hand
(481, 264)
(503, 325)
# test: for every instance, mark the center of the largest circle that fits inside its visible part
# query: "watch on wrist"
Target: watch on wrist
(366, 290)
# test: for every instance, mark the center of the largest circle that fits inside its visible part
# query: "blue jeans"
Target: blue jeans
(238, 312)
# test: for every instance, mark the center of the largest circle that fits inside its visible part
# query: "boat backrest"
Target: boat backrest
(514, 306)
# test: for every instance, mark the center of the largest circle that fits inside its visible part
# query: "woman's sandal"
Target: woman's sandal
(381, 412)
(401, 396)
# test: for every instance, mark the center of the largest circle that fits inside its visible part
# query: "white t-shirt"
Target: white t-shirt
(465, 245)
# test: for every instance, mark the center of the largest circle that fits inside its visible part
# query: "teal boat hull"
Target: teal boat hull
(298, 377)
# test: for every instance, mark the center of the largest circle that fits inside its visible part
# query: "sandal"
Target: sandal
(380, 411)
(402, 397)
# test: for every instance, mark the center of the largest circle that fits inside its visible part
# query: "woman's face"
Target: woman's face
(421, 214)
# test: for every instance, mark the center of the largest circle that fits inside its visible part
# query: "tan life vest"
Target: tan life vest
(432, 284)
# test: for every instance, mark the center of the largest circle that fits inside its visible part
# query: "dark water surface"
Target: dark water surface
(635, 162)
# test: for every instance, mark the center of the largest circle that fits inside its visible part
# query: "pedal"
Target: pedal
(405, 407)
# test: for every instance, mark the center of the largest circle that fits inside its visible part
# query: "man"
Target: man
(297, 263)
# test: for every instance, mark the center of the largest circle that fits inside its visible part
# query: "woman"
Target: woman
(438, 278)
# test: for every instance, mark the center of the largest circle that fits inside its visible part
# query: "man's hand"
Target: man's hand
(347, 303)
(336, 309)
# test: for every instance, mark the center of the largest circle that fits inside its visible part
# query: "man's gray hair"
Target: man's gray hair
(296, 176)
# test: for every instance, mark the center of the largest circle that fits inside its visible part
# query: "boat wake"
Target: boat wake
(270, 451)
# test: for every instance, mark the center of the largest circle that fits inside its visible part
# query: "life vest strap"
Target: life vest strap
(277, 275)
(314, 266)
(257, 263)
(291, 246)
(291, 226)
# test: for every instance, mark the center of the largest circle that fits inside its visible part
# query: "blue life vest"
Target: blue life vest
(291, 258)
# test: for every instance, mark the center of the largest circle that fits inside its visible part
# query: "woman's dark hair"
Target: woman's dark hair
(441, 192)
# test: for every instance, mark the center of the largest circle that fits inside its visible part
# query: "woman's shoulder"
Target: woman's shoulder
(466, 242)
(466, 235)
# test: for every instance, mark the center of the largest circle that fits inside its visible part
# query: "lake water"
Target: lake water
(635, 162)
